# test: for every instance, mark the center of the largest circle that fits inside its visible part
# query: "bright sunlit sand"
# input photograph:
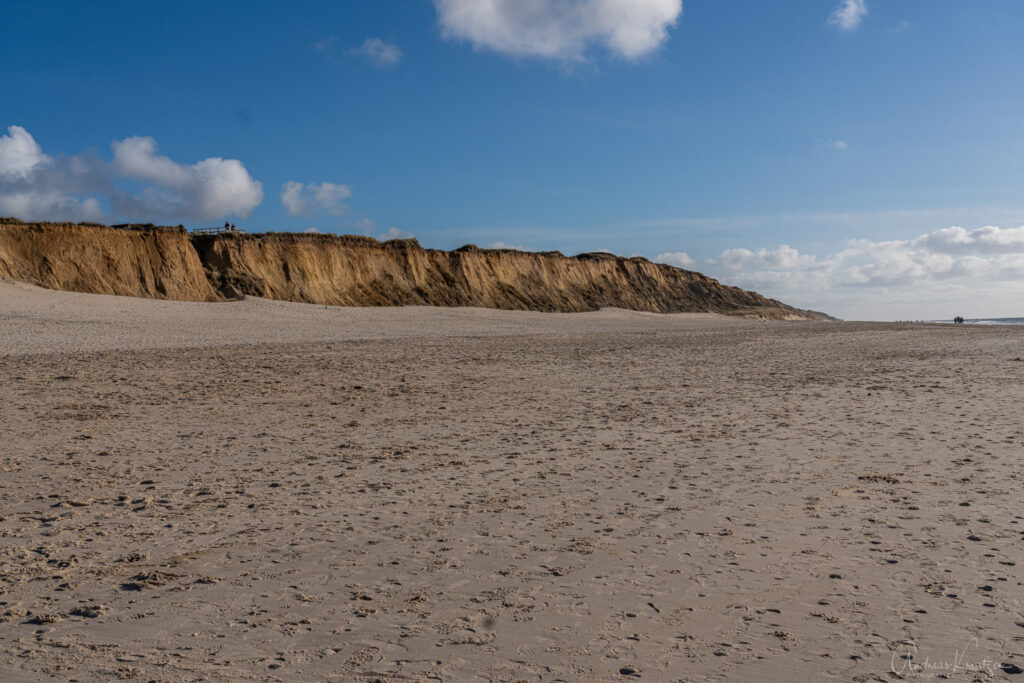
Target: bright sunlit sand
(512, 340)
(268, 490)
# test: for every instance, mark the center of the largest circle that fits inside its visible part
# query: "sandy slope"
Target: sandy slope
(36, 320)
(260, 490)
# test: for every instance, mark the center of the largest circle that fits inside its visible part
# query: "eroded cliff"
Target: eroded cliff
(355, 271)
(143, 261)
(360, 271)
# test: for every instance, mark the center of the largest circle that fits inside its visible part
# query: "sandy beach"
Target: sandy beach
(259, 490)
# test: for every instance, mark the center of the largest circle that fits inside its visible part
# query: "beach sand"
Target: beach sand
(266, 491)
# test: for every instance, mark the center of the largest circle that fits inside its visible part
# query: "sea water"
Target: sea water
(991, 321)
(981, 321)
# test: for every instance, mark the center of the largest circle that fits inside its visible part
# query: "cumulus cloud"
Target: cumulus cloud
(849, 14)
(19, 153)
(503, 245)
(206, 190)
(377, 52)
(36, 186)
(988, 240)
(875, 274)
(679, 259)
(561, 30)
(369, 229)
(394, 233)
(783, 257)
(303, 200)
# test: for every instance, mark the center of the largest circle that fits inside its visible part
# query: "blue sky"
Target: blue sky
(860, 157)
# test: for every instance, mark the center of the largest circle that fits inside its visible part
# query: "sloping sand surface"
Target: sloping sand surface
(263, 491)
(37, 320)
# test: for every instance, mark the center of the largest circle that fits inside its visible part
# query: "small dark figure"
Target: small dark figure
(959, 320)
(225, 225)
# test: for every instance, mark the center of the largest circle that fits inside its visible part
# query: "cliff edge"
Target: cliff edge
(143, 261)
(348, 270)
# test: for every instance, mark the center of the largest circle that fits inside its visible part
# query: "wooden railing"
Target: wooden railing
(215, 231)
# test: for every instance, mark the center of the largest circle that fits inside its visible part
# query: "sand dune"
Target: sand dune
(269, 491)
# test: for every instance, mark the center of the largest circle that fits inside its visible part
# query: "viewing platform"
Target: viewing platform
(217, 231)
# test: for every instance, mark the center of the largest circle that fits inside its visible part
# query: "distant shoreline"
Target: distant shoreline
(985, 321)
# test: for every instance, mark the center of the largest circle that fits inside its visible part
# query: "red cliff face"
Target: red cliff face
(360, 271)
(356, 271)
(157, 263)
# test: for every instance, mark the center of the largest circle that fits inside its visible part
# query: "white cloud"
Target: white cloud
(369, 227)
(292, 199)
(49, 205)
(839, 145)
(901, 26)
(209, 189)
(503, 245)
(302, 200)
(377, 52)
(783, 257)
(988, 240)
(974, 268)
(849, 14)
(136, 157)
(19, 153)
(322, 46)
(35, 186)
(679, 259)
(394, 233)
(562, 30)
